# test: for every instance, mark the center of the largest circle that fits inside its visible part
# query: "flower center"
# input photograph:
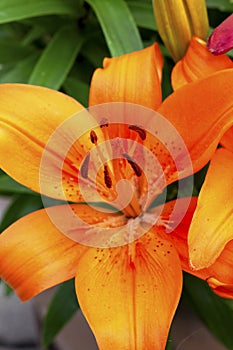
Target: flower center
(115, 166)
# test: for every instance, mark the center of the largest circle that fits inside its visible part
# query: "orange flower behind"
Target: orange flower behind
(197, 63)
(213, 217)
(214, 214)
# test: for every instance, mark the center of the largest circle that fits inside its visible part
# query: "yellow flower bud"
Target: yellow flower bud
(178, 21)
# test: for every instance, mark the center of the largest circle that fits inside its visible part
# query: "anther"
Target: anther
(141, 132)
(93, 137)
(104, 122)
(107, 178)
(136, 168)
(84, 167)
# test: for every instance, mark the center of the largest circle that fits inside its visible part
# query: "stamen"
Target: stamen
(93, 137)
(136, 168)
(141, 132)
(107, 178)
(166, 223)
(84, 167)
(104, 122)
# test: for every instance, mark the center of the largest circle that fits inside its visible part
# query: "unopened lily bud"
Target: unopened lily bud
(178, 21)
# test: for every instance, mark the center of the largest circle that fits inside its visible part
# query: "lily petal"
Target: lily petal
(35, 255)
(36, 252)
(129, 294)
(28, 117)
(211, 227)
(197, 63)
(227, 140)
(219, 275)
(201, 112)
(222, 289)
(134, 78)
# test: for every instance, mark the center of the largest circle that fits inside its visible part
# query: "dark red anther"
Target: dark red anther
(107, 178)
(93, 137)
(141, 132)
(136, 168)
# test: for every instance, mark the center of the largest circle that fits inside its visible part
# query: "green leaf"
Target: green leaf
(143, 14)
(169, 342)
(20, 72)
(20, 206)
(199, 177)
(8, 185)
(212, 309)
(95, 50)
(50, 24)
(8, 290)
(118, 26)
(35, 33)
(14, 10)
(57, 58)
(82, 71)
(169, 345)
(222, 5)
(77, 89)
(229, 303)
(166, 82)
(12, 50)
(62, 307)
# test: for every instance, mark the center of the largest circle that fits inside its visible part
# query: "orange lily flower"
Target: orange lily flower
(214, 213)
(127, 291)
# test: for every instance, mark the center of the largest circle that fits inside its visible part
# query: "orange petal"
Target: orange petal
(36, 255)
(222, 289)
(227, 140)
(197, 63)
(178, 236)
(134, 78)
(201, 112)
(129, 294)
(219, 275)
(29, 115)
(212, 223)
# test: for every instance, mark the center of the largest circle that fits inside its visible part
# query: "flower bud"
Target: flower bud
(221, 40)
(178, 21)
